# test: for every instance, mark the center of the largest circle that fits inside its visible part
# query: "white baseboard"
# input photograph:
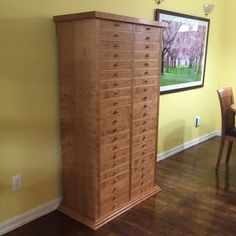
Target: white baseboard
(186, 145)
(13, 223)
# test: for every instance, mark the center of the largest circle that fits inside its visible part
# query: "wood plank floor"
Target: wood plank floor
(194, 201)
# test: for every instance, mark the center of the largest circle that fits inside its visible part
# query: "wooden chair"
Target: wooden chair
(228, 130)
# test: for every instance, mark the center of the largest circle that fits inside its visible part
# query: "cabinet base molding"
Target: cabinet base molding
(102, 221)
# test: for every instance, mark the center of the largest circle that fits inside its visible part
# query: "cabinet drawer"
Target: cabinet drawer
(146, 72)
(146, 64)
(149, 134)
(115, 35)
(142, 131)
(115, 155)
(115, 64)
(146, 46)
(114, 113)
(144, 145)
(115, 55)
(114, 93)
(144, 97)
(139, 189)
(147, 29)
(143, 163)
(145, 90)
(111, 139)
(114, 74)
(114, 45)
(146, 81)
(107, 173)
(150, 123)
(141, 177)
(115, 25)
(146, 55)
(115, 204)
(146, 37)
(115, 146)
(141, 152)
(109, 84)
(140, 112)
(112, 194)
(115, 102)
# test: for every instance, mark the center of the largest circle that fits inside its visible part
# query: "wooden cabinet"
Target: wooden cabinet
(109, 68)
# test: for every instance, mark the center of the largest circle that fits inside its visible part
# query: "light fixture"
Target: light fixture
(208, 8)
(159, 1)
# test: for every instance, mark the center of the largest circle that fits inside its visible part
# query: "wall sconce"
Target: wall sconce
(159, 1)
(208, 8)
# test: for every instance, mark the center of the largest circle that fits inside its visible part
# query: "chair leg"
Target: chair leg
(222, 142)
(230, 144)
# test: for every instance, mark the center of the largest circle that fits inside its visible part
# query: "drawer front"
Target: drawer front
(114, 93)
(115, 64)
(111, 139)
(114, 45)
(144, 97)
(141, 152)
(110, 84)
(115, 146)
(115, 35)
(107, 174)
(146, 72)
(142, 177)
(146, 64)
(146, 37)
(137, 137)
(139, 112)
(114, 74)
(142, 131)
(147, 29)
(140, 189)
(145, 90)
(115, 102)
(115, 113)
(142, 81)
(146, 55)
(144, 145)
(150, 123)
(115, 25)
(115, 55)
(147, 47)
(109, 157)
(143, 163)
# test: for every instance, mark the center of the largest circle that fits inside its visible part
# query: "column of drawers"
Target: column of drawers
(144, 112)
(115, 108)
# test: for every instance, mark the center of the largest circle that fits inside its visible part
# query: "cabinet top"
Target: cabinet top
(107, 16)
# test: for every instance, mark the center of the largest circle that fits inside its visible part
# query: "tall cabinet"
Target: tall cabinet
(109, 69)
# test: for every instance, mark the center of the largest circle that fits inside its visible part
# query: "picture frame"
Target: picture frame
(184, 51)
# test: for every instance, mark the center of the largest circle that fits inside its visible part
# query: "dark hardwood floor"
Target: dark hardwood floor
(194, 201)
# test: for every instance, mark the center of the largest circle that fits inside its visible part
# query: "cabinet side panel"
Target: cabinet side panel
(78, 108)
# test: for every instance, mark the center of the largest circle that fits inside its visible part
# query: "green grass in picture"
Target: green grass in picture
(180, 75)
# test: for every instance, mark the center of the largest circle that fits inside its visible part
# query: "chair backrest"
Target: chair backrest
(226, 98)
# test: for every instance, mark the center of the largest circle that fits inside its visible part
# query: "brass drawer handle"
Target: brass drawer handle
(145, 98)
(114, 122)
(142, 176)
(146, 81)
(144, 137)
(114, 139)
(115, 112)
(145, 122)
(146, 72)
(145, 114)
(144, 145)
(116, 35)
(116, 64)
(147, 38)
(116, 55)
(147, 46)
(147, 55)
(116, 75)
(145, 90)
(115, 84)
(145, 106)
(114, 148)
(115, 103)
(114, 131)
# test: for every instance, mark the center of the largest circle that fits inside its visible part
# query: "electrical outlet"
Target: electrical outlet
(16, 182)
(197, 121)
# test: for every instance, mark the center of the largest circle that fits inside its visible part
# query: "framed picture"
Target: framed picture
(184, 51)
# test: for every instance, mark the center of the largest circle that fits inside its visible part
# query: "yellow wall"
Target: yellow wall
(29, 127)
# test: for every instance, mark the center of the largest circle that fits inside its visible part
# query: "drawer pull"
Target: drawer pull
(143, 153)
(114, 131)
(115, 103)
(142, 169)
(115, 84)
(147, 38)
(143, 189)
(114, 122)
(145, 90)
(116, 75)
(145, 98)
(116, 46)
(147, 46)
(115, 197)
(142, 176)
(142, 183)
(114, 165)
(145, 122)
(144, 137)
(144, 145)
(114, 156)
(114, 206)
(114, 190)
(146, 72)
(146, 81)
(146, 64)
(144, 130)
(147, 55)
(115, 180)
(143, 161)
(115, 94)
(116, 35)
(145, 106)
(115, 172)
(115, 65)
(148, 28)
(116, 24)
(114, 148)
(114, 139)
(116, 55)
(115, 112)
(145, 114)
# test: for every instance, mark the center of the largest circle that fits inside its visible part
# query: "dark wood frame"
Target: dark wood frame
(189, 85)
